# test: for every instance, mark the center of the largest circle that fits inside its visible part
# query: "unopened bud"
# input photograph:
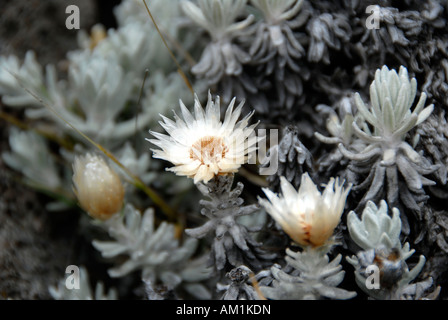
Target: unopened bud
(98, 188)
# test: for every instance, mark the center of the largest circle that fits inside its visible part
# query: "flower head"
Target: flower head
(218, 16)
(201, 146)
(98, 188)
(306, 215)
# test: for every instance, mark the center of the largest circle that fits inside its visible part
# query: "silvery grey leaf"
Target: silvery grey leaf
(240, 286)
(311, 276)
(293, 158)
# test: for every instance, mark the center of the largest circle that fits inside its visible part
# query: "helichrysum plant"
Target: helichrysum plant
(276, 51)
(378, 235)
(291, 157)
(29, 145)
(222, 57)
(98, 188)
(152, 131)
(201, 146)
(387, 165)
(309, 217)
(233, 242)
(241, 285)
(210, 151)
(155, 251)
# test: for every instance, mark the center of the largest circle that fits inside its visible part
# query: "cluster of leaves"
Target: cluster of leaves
(304, 57)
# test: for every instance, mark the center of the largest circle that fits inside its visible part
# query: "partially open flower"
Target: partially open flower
(98, 188)
(306, 215)
(201, 146)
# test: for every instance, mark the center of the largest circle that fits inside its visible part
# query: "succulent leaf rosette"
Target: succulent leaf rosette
(98, 188)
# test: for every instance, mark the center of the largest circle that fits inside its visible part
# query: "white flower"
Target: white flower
(98, 188)
(306, 215)
(201, 146)
(391, 97)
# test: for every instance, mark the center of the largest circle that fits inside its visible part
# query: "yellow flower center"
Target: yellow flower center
(208, 150)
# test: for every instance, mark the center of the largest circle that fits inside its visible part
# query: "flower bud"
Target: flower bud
(98, 188)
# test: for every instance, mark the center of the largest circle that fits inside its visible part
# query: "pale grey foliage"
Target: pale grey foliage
(195, 272)
(100, 87)
(394, 276)
(393, 36)
(276, 50)
(339, 125)
(436, 79)
(378, 235)
(91, 99)
(434, 232)
(140, 165)
(309, 275)
(398, 38)
(432, 241)
(339, 120)
(169, 19)
(85, 292)
(162, 92)
(327, 31)
(14, 75)
(131, 11)
(155, 251)
(132, 47)
(284, 57)
(223, 58)
(218, 17)
(158, 292)
(232, 242)
(102, 80)
(376, 228)
(22, 81)
(42, 171)
(275, 43)
(421, 291)
(432, 137)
